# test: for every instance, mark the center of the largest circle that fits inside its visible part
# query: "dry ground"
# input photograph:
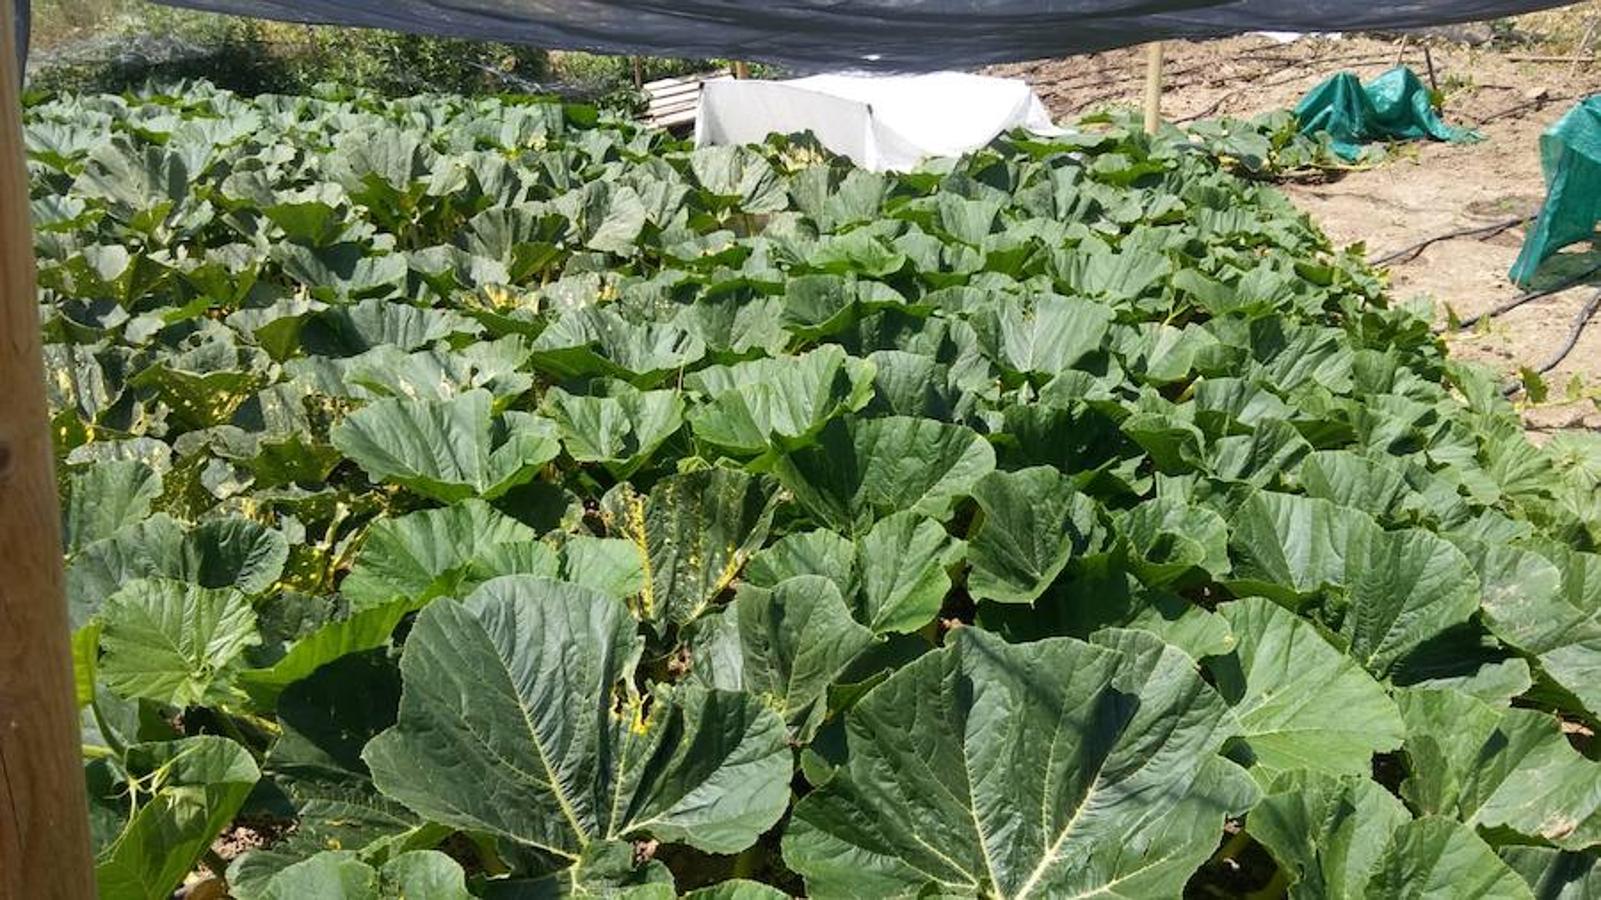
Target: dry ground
(1420, 191)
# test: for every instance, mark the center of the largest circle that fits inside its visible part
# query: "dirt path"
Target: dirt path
(1421, 191)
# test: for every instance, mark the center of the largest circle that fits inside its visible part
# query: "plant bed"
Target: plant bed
(478, 497)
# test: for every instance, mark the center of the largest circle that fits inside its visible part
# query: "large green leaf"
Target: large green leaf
(620, 427)
(174, 643)
(512, 723)
(818, 552)
(594, 340)
(1340, 476)
(449, 450)
(1392, 590)
(343, 272)
(438, 374)
(326, 719)
(1326, 832)
(218, 553)
(341, 875)
(1100, 598)
(693, 533)
(784, 645)
(442, 552)
(1046, 336)
(895, 577)
(1405, 587)
(1545, 604)
(1511, 769)
(155, 812)
(904, 562)
(105, 498)
(348, 331)
(1287, 546)
(609, 217)
(1050, 769)
(863, 469)
(1171, 540)
(1555, 874)
(1034, 521)
(739, 177)
(778, 403)
(1302, 703)
(335, 639)
(1348, 838)
(1440, 857)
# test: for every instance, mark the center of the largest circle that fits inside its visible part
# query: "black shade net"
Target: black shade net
(886, 35)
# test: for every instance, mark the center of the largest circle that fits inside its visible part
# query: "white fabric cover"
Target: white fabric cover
(879, 122)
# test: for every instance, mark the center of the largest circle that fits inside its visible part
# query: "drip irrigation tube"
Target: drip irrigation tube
(1482, 232)
(1521, 299)
(1572, 340)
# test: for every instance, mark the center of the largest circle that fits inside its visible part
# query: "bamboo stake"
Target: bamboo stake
(1153, 86)
(44, 820)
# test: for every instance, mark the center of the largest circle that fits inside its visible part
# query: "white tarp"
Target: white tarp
(880, 122)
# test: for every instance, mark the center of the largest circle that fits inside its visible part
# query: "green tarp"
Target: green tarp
(1394, 106)
(1570, 154)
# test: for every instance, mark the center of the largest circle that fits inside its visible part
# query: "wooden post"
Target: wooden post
(44, 817)
(639, 73)
(741, 69)
(1153, 86)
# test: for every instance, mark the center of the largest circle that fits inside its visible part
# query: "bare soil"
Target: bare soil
(1419, 191)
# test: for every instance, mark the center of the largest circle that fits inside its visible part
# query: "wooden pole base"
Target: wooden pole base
(44, 816)
(1153, 87)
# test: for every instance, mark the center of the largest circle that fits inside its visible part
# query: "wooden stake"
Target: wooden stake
(1153, 86)
(1584, 46)
(741, 69)
(639, 73)
(44, 817)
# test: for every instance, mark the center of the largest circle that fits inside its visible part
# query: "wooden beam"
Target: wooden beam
(1153, 86)
(44, 817)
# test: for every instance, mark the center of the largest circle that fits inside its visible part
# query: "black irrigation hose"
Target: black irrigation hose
(1482, 232)
(1579, 322)
(1521, 299)
(1535, 102)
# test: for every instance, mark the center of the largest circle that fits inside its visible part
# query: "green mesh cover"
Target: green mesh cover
(1394, 106)
(1570, 153)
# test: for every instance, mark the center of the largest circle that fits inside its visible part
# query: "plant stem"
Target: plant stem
(214, 862)
(1231, 848)
(1275, 888)
(749, 862)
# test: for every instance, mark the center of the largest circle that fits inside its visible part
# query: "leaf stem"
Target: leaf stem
(748, 862)
(1231, 848)
(215, 862)
(1275, 888)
